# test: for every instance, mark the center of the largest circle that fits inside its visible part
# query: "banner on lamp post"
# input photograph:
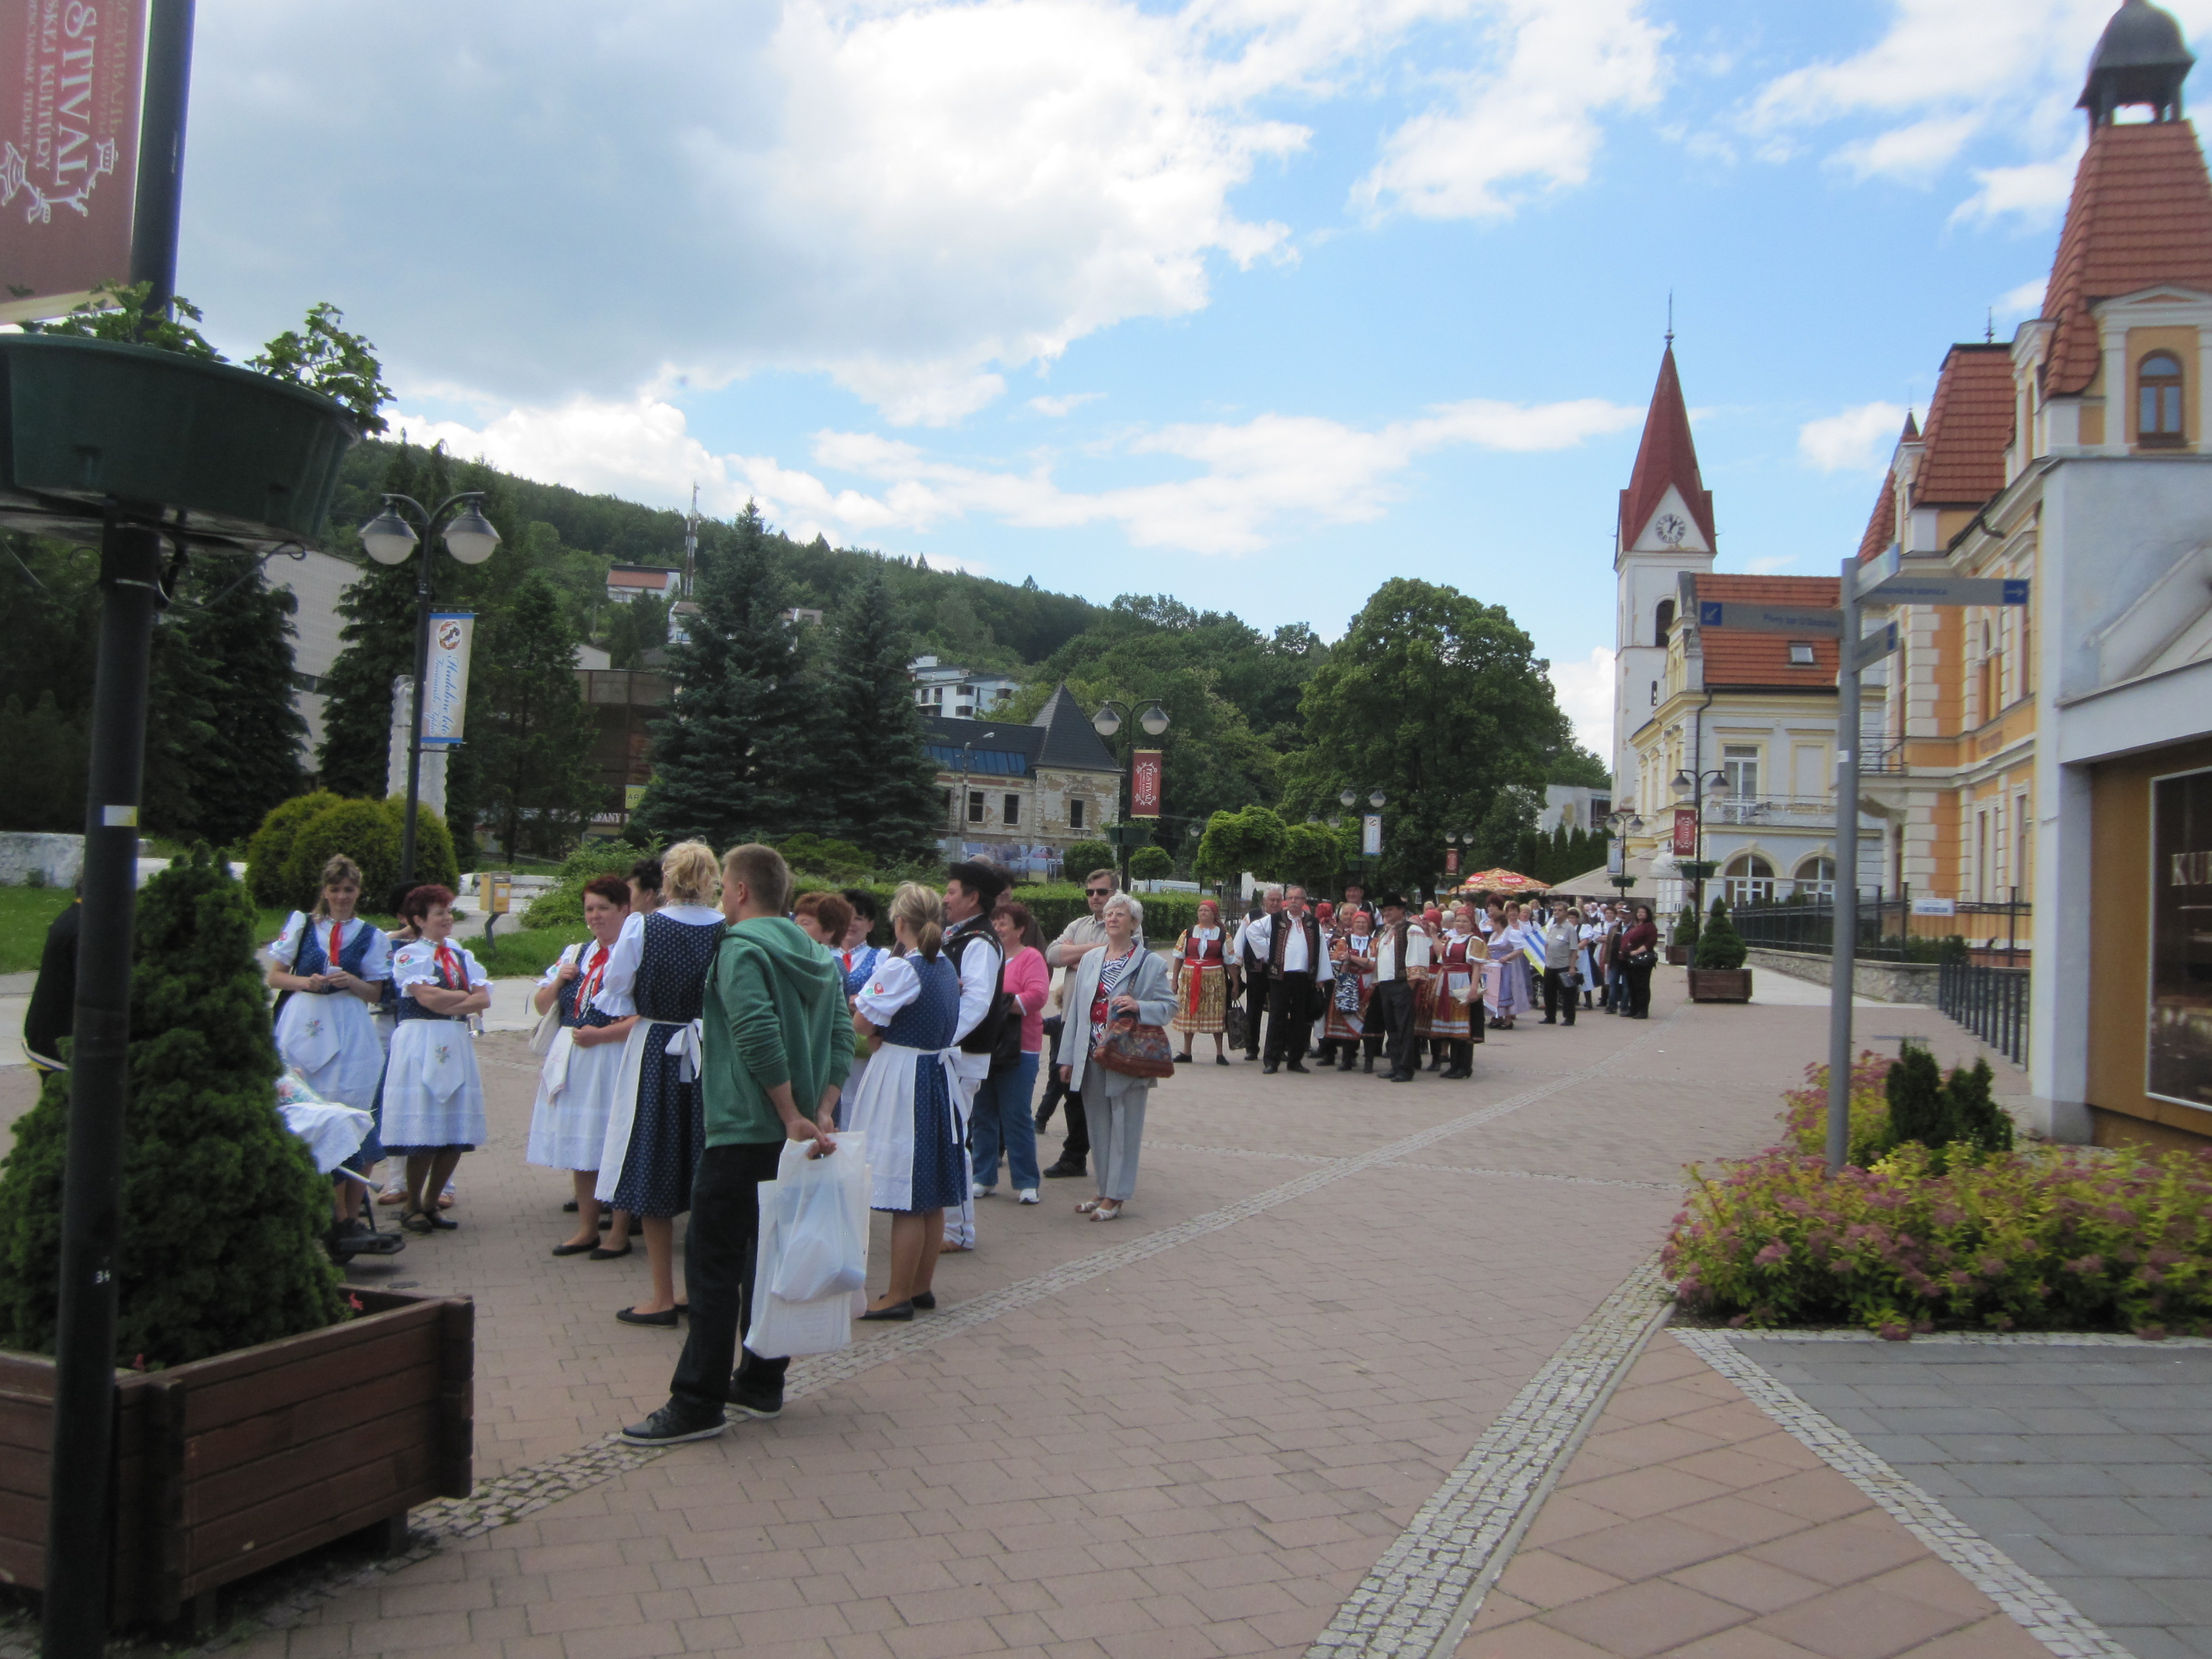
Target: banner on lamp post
(71, 75)
(1616, 857)
(446, 688)
(1371, 836)
(1685, 832)
(1145, 783)
(1451, 860)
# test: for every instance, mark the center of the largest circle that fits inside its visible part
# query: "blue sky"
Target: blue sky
(1256, 302)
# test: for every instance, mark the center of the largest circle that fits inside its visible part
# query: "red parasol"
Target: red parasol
(1502, 881)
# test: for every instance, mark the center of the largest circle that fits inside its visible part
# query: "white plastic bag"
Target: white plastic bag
(784, 1329)
(820, 1251)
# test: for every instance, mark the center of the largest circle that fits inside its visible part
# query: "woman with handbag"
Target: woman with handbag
(1639, 945)
(1112, 1048)
(583, 1048)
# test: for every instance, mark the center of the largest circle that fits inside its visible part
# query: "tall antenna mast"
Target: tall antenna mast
(691, 541)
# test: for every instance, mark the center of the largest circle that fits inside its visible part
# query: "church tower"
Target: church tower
(1665, 528)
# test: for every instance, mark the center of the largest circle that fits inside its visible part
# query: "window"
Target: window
(974, 806)
(1075, 815)
(1011, 811)
(1663, 623)
(1739, 763)
(1750, 880)
(1801, 653)
(1655, 694)
(1816, 879)
(2158, 399)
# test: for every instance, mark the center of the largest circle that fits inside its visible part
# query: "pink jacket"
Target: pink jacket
(1027, 978)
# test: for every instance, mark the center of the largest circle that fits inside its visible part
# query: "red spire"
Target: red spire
(1666, 456)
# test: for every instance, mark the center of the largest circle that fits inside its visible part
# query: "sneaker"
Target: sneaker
(977, 1189)
(675, 1423)
(1027, 1195)
(764, 1407)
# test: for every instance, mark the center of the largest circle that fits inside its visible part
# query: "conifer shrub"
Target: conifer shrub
(266, 854)
(1719, 944)
(223, 1210)
(1975, 1116)
(1685, 932)
(1919, 1109)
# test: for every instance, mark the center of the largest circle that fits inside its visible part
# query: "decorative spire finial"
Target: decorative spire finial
(1671, 320)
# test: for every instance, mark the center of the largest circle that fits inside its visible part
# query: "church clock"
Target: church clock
(1670, 528)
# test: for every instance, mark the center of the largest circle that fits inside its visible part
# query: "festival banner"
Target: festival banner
(1451, 860)
(1371, 836)
(1145, 766)
(446, 690)
(1685, 832)
(71, 72)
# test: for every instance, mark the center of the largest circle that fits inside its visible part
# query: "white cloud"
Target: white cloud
(1058, 407)
(1584, 691)
(1858, 439)
(1528, 123)
(2025, 300)
(2037, 190)
(1234, 488)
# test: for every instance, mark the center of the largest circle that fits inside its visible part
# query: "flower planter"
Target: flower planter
(241, 459)
(1720, 984)
(226, 1466)
(1678, 956)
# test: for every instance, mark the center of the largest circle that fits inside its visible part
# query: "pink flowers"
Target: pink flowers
(1778, 1251)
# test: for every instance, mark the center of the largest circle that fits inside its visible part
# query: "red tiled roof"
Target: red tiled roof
(1666, 456)
(1735, 657)
(2142, 214)
(1881, 528)
(1970, 422)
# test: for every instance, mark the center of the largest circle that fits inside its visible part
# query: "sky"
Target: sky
(1254, 302)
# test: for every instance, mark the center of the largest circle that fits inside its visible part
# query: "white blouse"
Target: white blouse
(417, 964)
(890, 988)
(616, 995)
(376, 966)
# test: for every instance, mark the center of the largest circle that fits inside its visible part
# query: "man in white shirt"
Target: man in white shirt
(1252, 969)
(1082, 934)
(1289, 946)
(1402, 955)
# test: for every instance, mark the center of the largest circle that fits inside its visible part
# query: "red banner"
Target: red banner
(1685, 832)
(1451, 860)
(1145, 783)
(69, 72)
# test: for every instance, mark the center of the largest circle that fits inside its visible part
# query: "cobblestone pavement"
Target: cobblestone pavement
(1200, 1430)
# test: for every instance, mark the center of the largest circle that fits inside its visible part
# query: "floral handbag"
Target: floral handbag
(1132, 1049)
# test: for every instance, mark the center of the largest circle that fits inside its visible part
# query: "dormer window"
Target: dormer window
(2158, 399)
(1801, 653)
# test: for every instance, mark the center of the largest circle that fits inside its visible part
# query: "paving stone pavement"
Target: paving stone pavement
(1199, 1448)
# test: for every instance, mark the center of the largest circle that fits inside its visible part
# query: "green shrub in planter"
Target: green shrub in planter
(223, 1211)
(271, 847)
(1719, 944)
(1685, 932)
(1085, 856)
(1151, 864)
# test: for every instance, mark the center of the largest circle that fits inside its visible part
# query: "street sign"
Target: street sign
(1947, 590)
(1874, 647)
(1805, 622)
(1934, 907)
(1879, 569)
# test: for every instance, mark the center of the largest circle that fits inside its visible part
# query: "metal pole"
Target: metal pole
(157, 203)
(414, 728)
(1847, 875)
(78, 1522)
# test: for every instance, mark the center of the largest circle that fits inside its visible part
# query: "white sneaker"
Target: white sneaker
(1028, 1195)
(977, 1189)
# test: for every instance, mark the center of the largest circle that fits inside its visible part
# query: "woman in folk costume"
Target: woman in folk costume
(1454, 1005)
(1345, 1024)
(1505, 971)
(909, 1103)
(575, 1087)
(1425, 1041)
(656, 1125)
(1202, 981)
(434, 1100)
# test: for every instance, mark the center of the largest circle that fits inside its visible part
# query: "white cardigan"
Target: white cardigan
(1147, 983)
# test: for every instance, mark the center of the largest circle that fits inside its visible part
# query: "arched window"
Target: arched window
(1816, 878)
(2158, 399)
(1664, 622)
(1750, 880)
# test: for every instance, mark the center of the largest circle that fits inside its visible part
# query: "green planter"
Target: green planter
(247, 460)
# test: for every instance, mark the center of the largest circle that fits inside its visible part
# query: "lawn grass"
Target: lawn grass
(25, 915)
(528, 951)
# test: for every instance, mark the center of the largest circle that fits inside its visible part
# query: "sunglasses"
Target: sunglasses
(1099, 893)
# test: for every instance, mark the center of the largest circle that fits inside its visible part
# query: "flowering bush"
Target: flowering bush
(1805, 1111)
(2048, 1238)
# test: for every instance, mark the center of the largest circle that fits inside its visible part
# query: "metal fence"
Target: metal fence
(1990, 1002)
(1891, 928)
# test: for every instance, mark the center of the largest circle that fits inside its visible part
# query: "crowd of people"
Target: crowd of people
(711, 1017)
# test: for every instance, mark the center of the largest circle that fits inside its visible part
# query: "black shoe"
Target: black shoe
(1548, 1020)
(900, 1311)
(1367, 1063)
(602, 1253)
(925, 1301)
(666, 1319)
(574, 1249)
(1398, 1077)
(762, 1407)
(1294, 1066)
(1063, 1170)
(569, 1208)
(1344, 1062)
(1457, 1075)
(1221, 1059)
(1271, 1067)
(675, 1423)
(1182, 1060)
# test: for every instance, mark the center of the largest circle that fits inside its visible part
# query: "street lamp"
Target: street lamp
(389, 539)
(1106, 722)
(1685, 784)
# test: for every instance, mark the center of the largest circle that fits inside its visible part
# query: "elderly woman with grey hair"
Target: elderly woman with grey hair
(1117, 980)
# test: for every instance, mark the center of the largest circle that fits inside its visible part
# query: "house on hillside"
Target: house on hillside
(958, 693)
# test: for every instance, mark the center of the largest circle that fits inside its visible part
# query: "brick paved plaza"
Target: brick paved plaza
(1194, 1431)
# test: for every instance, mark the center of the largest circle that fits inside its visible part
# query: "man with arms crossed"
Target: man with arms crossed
(1081, 934)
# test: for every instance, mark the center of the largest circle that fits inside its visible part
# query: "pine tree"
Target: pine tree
(1719, 944)
(1975, 1116)
(222, 1208)
(528, 724)
(1917, 1108)
(239, 629)
(738, 756)
(881, 786)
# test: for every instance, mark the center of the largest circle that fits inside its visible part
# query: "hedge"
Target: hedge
(284, 860)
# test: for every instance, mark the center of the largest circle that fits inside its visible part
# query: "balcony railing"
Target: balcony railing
(1811, 811)
(1880, 752)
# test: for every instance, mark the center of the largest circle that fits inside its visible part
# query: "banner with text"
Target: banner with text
(1145, 783)
(70, 73)
(1685, 832)
(445, 688)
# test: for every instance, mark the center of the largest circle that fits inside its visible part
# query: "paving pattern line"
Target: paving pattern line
(2032, 1605)
(1419, 1598)
(1409, 1163)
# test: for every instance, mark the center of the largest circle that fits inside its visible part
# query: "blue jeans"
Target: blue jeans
(1002, 1117)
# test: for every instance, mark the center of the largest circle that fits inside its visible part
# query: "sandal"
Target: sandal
(1087, 1207)
(416, 1221)
(1107, 1210)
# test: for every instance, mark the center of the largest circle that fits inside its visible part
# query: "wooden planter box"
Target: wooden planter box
(1678, 956)
(224, 1466)
(1720, 984)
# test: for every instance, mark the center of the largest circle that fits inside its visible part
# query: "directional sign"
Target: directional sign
(1947, 590)
(1806, 623)
(1877, 570)
(1874, 647)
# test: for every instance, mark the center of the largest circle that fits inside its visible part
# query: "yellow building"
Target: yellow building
(2062, 750)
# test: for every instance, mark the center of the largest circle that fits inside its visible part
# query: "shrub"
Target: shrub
(1918, 1109)
(1719, 946)
(1151, 864)
(1976, 1117)
(1805, 1111)
(222, 1211)
(835, 861)
(561, 905)
(1085, 856)
(368, 832)
(267, 853)
(1685, 931)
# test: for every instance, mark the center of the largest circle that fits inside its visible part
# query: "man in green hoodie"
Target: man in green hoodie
(777, 1046)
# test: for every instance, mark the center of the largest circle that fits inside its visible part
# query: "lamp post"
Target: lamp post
(1364, 862)
(389, 539)
(1622, 825)
(1685, 784)
(1110, 718)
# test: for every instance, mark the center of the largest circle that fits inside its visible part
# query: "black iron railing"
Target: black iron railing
(1990, 1002)
(1892, 927)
